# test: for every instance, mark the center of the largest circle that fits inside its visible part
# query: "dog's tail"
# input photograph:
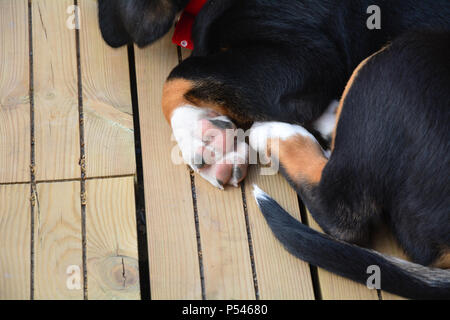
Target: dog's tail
(397, 276)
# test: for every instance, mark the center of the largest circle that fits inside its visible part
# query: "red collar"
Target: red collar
(183, 29)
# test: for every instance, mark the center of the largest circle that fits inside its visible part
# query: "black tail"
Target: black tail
(397, 276)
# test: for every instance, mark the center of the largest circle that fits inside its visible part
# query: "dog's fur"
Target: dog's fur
(261, 60)
(272, 60)
(391, 162)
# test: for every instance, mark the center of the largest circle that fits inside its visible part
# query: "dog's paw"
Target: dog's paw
(211, 145)
(290, 147)
(265, 137)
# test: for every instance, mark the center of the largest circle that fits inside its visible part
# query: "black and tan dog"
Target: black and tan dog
(390, 161)
(284, 61)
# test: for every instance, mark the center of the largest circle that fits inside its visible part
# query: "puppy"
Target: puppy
(390, 162)
(258, 60)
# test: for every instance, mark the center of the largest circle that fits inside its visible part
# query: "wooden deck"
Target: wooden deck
(68, 180)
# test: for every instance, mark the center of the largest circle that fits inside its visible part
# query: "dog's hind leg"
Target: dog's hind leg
(327, 191)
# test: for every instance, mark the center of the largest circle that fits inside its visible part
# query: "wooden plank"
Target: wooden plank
(56, 91)
(113, 271)
(172, 242)
(225, 249)
(108, 114)
(280, 274)
(58, 246)
(385, 242)
(334, 287)
(111, 235)
(15, 241)
(14, 90)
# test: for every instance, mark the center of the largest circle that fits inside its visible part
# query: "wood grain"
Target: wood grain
(56, 91)
(172, 243)
(108, 114)
(57, 240)
(112, 257)
(15, 242)
(280, 274)
(334, 287)
(225, 250)
(14, 92)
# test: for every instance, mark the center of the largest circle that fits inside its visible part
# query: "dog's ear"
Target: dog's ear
(139, 21)
(111, 26)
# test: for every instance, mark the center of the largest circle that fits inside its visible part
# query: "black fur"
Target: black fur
(392, 148)
(140, 21)
(399, 277)
(391, 162)
(284, 60)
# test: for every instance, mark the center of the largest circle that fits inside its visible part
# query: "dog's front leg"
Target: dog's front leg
(209, 141)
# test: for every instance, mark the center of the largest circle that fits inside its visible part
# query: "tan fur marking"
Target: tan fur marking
(443, 261)
(174, 96)
(301, 158)
(347, 89)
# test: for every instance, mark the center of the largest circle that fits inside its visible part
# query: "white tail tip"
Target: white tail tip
(259, 194)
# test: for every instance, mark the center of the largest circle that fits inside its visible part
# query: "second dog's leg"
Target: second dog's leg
(327, 192)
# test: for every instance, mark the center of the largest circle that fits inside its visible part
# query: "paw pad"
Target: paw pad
(210, 143)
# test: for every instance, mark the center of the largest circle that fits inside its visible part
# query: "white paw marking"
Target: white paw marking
(262, 131)
(327, 121)
(210, 144)
(184, 123)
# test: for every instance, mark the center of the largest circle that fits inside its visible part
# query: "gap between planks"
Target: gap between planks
(69, 180)
(82, 162)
